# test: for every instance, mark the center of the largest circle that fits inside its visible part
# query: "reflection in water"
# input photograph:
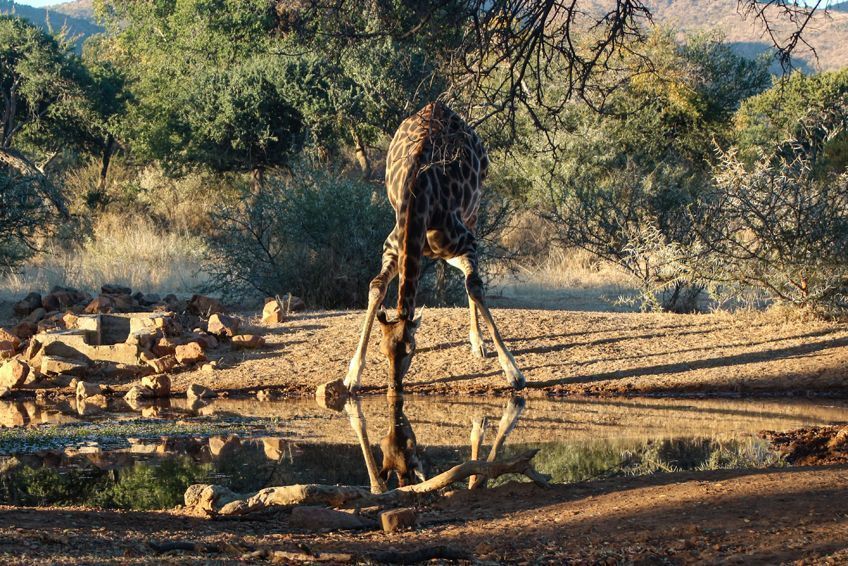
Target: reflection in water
(173, 445)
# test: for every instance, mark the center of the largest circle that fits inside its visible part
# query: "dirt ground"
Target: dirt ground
(560, 352)
(794, 515)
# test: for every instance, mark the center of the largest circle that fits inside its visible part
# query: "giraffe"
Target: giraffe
(434, 173)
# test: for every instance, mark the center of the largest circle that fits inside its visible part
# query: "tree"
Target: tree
(780, 224)
(626, 185)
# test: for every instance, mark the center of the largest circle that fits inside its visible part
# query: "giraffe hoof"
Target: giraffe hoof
(516, 379)
(478, 350)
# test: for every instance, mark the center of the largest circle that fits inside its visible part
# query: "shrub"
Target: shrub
(25, 216)
(780, 224)
(316, 234)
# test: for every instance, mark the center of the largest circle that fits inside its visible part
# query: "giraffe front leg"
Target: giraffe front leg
(478, 346)
(474, 286)
(376, 294)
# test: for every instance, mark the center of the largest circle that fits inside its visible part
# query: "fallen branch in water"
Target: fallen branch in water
(215, 500)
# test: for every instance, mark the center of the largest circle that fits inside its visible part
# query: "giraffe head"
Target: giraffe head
(399, 447)
(398, 344)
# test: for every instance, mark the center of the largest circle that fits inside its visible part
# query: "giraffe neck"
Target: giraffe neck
(413, 236)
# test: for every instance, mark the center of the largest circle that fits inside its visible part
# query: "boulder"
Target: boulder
(137, 392)
(207, 341)
(27, 304)
(164, 347)
(161, 364)
(203, 306)
(8, 344)
(159, 384)
(272, 313)
(223, 325)
(311, 518)
(332, 395)
(36, 315)
(111, 289)
(102, 304)
(397, 519)
(248, 341)
(13, 373)
(197, 391)
(51, 365)
(190, 353)
(25, 330)
(85, 389)
(210, 367)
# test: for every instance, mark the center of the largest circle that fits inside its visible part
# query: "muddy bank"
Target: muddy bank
(765, 516)
(812, 446)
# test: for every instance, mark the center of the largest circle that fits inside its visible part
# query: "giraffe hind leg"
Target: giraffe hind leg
(467, 263)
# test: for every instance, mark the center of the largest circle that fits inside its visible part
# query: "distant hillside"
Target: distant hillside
(828, 33)
(81, 9)
(47, 18)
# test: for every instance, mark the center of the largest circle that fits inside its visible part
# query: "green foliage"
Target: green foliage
(623, 185)
(41, 85)
(23, 216)
(315, 234)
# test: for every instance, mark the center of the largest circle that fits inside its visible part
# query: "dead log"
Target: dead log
(216, 500)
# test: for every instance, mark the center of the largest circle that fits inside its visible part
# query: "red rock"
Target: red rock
(223, 325)
(13, 373)
(397, 519)
(36, 315)
(9, 343)
(25, 330)
(272, 313)
(203, 305)
(248, 341)
(191, 353)
(102, 304)
(27, 304)
(160, 384)
(164, 347)
(208, 341)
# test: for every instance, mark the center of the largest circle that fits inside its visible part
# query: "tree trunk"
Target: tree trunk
(361, 154)
(257, 180)
(18, 163)
(105, 159)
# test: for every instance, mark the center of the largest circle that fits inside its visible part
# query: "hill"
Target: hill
(79, 28)
(80, 9)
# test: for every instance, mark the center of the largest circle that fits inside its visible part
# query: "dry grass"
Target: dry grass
(565, 279)
(123, 250)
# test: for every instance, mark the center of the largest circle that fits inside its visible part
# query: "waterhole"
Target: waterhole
(115, 456)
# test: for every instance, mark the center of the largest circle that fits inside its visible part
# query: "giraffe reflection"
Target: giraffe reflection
(399, 446)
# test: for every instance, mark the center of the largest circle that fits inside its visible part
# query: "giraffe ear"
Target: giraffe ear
(416, 322)
(382, 316)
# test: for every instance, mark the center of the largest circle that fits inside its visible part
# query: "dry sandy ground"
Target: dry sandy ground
(560, 352)
(751, 517)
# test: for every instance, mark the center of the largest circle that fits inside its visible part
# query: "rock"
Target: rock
(163, 364)
(85, 389)
(311, 518)
(8, 344)
(143, 338)
(63, 298)
(197, 391)
(397, 519)
(293, 304)
(70, 320)
(159, 384)
(207, 341)
(122, 303)
(13, 373)
(27, 304)
(102, 304)
(36, 315)
(164, 347)
(191, 353)
(263, 395)
(203, 306)
(137, 392)
(110, 289)
(32, 353)
(223, 325)
(210, 367)
(332, 395)
(272, 313)
(248, 341)
(52, 365)
(25, 330)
